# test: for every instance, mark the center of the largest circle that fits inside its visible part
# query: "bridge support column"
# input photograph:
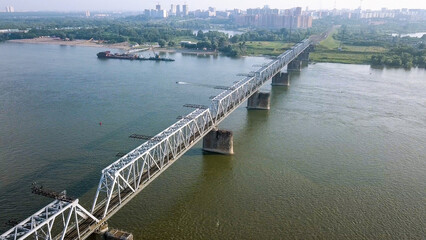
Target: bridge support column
(117, 235)
(259, 101)
(295, 66)
(304, 57)
(219, 141)
(100, 232)
(281, 79)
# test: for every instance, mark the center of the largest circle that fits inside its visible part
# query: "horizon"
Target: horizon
(136, 6)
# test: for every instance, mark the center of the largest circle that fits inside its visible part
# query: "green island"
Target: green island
(337, 40)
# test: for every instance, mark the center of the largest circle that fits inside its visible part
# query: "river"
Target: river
(340, 155)
(414, 35)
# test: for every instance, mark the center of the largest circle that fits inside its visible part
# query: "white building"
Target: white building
(10, 9)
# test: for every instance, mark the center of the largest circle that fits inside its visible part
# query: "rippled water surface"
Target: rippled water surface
(341, 154)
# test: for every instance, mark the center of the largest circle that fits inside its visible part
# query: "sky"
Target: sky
(140, 5)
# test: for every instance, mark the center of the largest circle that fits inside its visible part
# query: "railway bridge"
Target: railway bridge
(121, 181)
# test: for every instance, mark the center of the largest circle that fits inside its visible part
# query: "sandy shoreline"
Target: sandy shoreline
(81, 43)
(186, 51)
(121, 46)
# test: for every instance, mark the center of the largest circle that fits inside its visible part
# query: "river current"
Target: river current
(340, 155)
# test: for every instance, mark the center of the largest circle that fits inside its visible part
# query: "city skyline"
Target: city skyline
(133, 5)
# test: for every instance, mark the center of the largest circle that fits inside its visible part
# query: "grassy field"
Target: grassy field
(328, 50)
(331, 50)
(340, 57)
(330, 42)
(257, 48)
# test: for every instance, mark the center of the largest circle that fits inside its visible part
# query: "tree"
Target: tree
(200, 34)
(162, 43)
(171, 43)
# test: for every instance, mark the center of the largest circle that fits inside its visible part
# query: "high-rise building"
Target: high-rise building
(87, 13)
(10, 9)
(185, 10)
(172, 9)
(298, 11)
(162, 13)
(178, 12)
(158, 7)
(273, 18)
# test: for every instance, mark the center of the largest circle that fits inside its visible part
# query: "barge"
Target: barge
(126, 56)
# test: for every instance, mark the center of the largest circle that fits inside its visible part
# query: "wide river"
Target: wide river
(340, 155)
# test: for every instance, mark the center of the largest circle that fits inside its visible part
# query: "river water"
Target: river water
(340, 155)
(414, 35)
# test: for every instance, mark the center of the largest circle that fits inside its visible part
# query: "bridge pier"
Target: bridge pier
(259, 101)
(219, 141)
(295, 66)
(281, 79)
(104, 233)
(100, 232)
(114, 234)
(304, 57)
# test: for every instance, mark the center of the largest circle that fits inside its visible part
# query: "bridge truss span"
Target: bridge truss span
(130, 174)
(58, 216)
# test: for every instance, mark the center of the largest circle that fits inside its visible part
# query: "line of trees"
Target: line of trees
(368, 35)
(110, 30)
(214, 40)
(402, 56)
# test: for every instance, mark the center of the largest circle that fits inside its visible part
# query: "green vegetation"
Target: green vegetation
(361, 43)
(332, 50)
(109, 30)
(401, 56)
(330, 42)
(355, 41)
(257, 48)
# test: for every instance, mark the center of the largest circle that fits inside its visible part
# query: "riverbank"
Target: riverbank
(186, 51)
(327, 50)
(121, 46)
(81, 43)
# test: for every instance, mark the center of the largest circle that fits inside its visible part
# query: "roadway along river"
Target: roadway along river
(341, 154)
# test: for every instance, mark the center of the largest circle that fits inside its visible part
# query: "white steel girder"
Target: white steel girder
(138, 166)
(57, 217)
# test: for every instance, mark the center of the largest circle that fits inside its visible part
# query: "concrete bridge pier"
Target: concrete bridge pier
(259, 101)
(105, 233)
(294, 66)
(281, 79)
(304, 57)
(100, 232)
(219, 141)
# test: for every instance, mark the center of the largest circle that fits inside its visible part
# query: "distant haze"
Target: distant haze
(139, 5)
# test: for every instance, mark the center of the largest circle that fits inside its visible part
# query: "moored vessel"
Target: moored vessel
(126, 56)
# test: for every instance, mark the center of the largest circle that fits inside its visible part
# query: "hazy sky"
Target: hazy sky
(139, 5)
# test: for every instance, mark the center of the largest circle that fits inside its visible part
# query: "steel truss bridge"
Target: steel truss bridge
(125, 178)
